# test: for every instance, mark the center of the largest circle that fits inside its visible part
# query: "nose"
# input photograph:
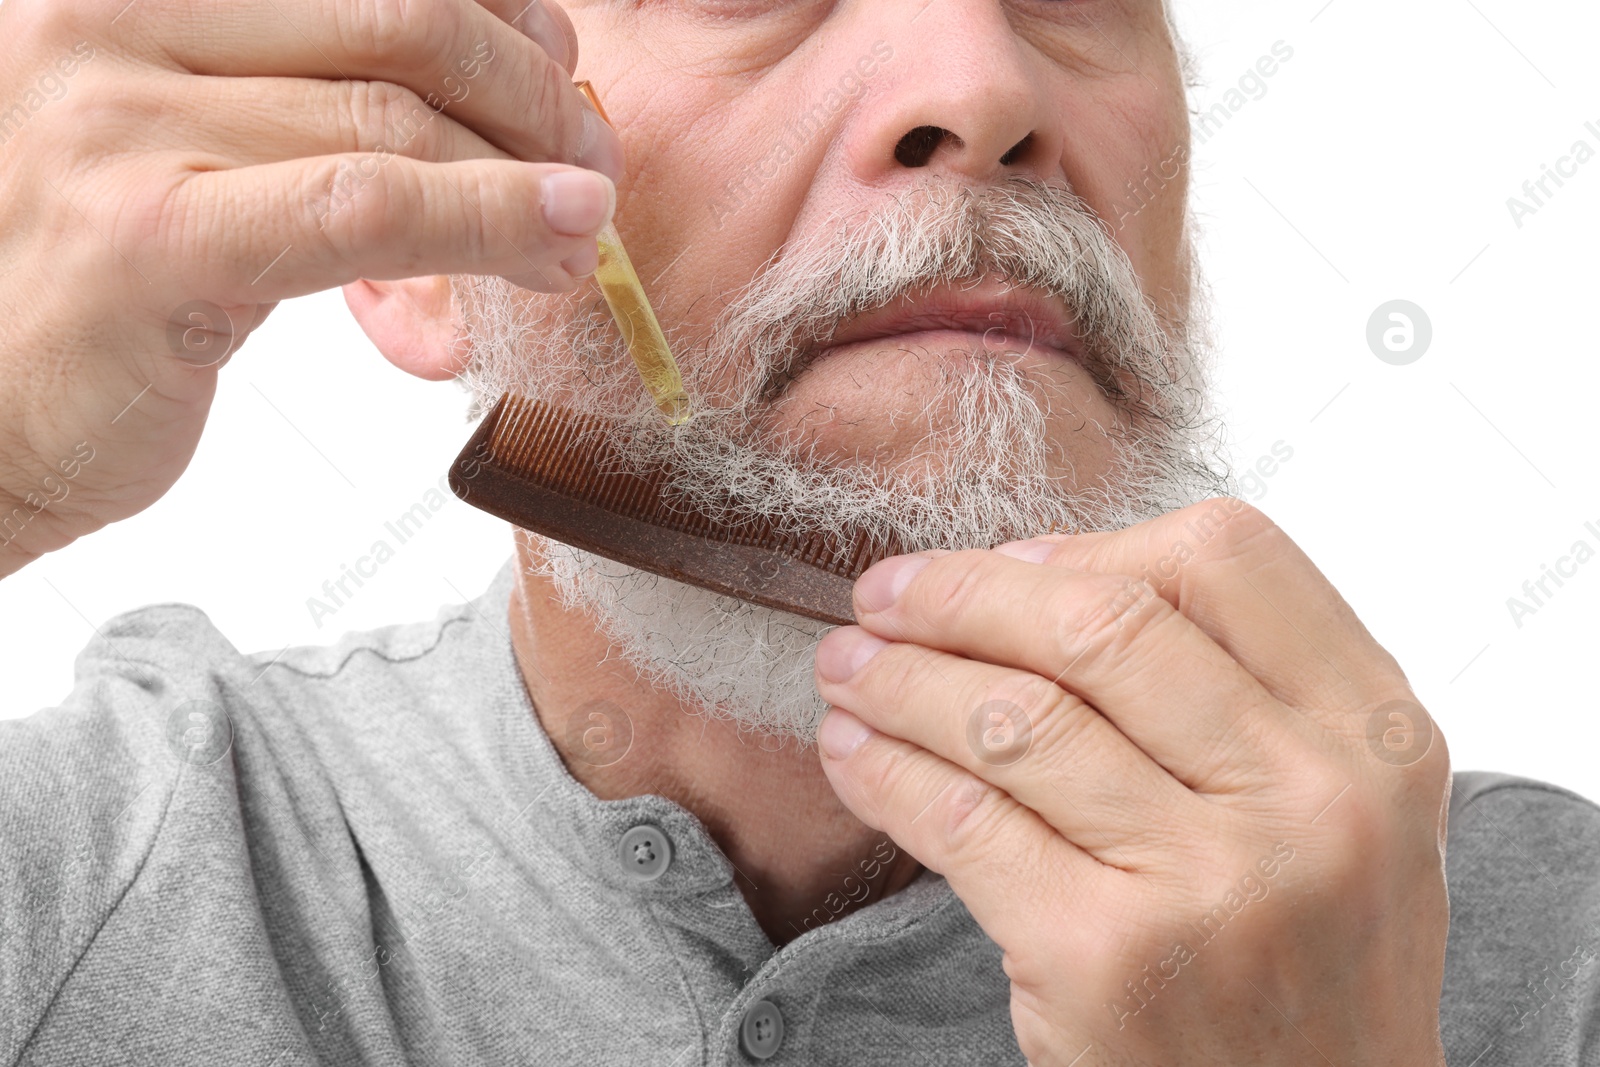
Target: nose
(917, 148)
(965, 97)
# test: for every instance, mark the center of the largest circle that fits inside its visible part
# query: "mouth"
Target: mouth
(993, 316)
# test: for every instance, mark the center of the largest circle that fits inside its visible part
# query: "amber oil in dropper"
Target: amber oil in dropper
(619, 284)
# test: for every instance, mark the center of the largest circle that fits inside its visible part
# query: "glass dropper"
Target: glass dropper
(619, 283)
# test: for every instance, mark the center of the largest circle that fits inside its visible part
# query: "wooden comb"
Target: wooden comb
(554, 472)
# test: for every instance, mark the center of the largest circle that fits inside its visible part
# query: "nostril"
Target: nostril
(917, 146)
(1017, 151)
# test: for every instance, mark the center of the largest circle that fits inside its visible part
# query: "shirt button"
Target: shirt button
(762, 1030)
(645, 853)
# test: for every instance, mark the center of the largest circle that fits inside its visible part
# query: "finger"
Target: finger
(454, 54)
(1016, 730)
(1013, 872)
(1108, 639)
(236, 122)
(1249, 587)
(546, 24)
(317, 223)
(546, 21)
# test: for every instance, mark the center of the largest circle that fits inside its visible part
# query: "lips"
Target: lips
(998, 316)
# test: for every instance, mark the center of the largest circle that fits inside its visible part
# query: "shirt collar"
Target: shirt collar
(552, 810)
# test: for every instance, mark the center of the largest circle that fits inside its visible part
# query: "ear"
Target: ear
(414, 322)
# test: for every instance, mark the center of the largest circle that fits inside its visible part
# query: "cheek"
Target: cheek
(701, 209)
(1128, 156)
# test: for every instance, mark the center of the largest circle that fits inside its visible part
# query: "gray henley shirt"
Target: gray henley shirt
(370, 853)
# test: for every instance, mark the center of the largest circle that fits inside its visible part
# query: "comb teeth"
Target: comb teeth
(554, 472)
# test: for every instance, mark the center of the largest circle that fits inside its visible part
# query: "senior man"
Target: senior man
(1140, 792)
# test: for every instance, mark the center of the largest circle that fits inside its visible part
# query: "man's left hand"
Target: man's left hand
(1172, 776)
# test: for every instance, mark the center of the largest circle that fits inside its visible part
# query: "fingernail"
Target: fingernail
(1034, 551)
(845, 651)
(601, 148)
(841, 733)
(881, 586)
(537, 22)
(577, 202)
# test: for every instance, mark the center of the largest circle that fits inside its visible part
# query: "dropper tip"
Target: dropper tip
(676, 410)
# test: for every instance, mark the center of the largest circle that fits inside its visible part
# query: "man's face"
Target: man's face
(923, 261)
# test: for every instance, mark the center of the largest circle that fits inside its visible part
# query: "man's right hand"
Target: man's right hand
(171, 169)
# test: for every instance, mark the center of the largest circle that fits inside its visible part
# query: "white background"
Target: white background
(1376, 166)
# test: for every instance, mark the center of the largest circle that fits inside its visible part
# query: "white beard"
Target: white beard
(990, 475)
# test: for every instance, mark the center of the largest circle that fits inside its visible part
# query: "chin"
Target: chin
(897, 405)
